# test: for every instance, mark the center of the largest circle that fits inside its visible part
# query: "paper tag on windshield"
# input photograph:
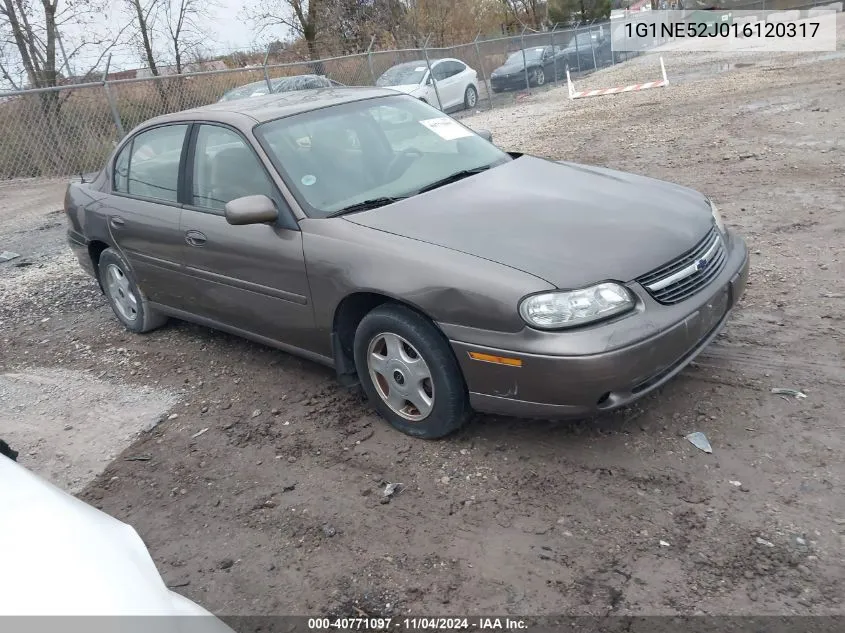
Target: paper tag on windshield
(446, 128)
(419, 69)
(258, 93)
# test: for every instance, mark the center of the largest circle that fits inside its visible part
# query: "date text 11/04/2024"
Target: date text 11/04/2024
(723, 29)
(417, 624)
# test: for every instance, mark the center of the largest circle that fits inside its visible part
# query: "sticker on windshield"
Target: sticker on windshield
(419, 69)
(308, 180)
(446, 128)
(258, 93)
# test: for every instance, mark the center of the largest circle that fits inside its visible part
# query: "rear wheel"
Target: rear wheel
(129, 304)
(409, 372)
(470, 97)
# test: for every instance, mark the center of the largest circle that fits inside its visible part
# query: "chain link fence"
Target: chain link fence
(69, 130)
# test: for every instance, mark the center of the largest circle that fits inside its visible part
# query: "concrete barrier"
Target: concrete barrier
(815, 11)
(784, 16)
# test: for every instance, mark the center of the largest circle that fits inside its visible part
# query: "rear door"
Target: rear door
(452, 85)
(248, 278)
(143, 211)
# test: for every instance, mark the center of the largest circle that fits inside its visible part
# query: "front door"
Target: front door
(251, 278)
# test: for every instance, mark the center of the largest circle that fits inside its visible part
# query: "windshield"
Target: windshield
(530, 54)
(385, 148)
(403, 74)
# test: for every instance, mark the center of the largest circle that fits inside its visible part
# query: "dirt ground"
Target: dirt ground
(277, 507)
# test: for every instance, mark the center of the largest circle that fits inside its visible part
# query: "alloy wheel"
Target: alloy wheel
(123, 299)
(401, 376)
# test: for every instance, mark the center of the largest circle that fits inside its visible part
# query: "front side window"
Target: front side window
(390, 147)
(225, 168)
(153, 170)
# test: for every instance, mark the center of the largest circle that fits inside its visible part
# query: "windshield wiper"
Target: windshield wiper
(458, 175)
(373, 203)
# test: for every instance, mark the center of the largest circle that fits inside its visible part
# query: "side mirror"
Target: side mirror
(487, 135)
(428, 81)
(251, 210)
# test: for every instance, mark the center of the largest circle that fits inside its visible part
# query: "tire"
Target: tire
(538, 76)
(404, 338)
(128, 302)
(470, 97)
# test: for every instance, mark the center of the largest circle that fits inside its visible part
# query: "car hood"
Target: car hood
(571, 225)
(509, 69)
(64, 557)
(406, 88)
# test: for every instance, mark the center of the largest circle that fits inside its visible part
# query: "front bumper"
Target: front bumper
(629, 358)
(508, 83)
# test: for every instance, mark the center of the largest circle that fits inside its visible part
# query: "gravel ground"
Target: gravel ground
(277, 507)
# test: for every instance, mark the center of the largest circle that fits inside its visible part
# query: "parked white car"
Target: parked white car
(457, 83)
(64, 557)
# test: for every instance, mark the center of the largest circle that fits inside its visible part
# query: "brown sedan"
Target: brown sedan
(368, 231)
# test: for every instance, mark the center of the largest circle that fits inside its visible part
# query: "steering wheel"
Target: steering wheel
(400, 163)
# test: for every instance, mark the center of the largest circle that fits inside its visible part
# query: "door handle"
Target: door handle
(116, 222)
(195, 238)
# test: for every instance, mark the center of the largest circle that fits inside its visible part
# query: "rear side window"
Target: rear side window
(454, 68)
(441, 71)
(153, 166)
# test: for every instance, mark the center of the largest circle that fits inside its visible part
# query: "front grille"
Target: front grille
(692, 271)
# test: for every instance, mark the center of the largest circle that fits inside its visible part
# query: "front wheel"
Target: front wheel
(409, 373)
(538, 77)
(470, 97)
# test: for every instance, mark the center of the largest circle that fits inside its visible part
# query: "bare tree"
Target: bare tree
(527, 12)
(6, 68)
(33, 31)
(184, 29)
(145, 14)
(303, 17)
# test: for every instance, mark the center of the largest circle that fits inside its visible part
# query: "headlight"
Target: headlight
(565, 309)
(717, 217)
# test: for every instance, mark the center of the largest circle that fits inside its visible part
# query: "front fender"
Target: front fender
(450, 287)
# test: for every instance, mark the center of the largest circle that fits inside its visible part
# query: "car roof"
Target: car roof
(418, 62)
(273, 106)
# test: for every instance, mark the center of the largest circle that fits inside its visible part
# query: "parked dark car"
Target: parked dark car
(366, 230)
(544, 63)
(588, 50)
(280, 84)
